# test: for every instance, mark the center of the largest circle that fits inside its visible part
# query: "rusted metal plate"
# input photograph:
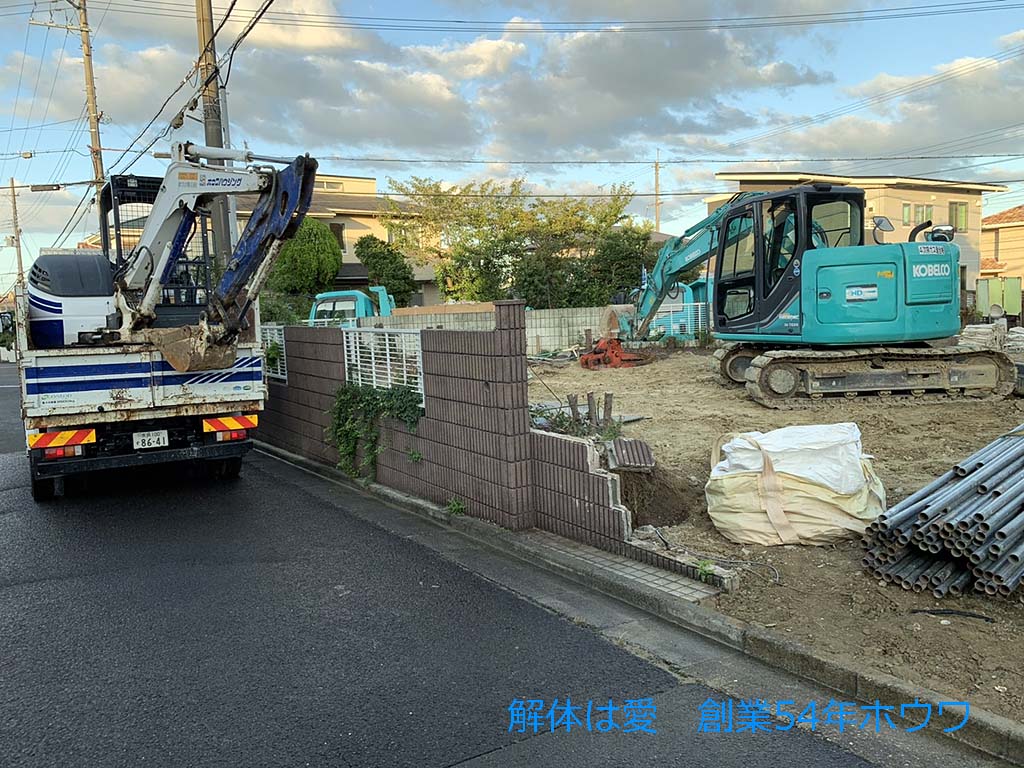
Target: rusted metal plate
(628, 455)
(91, 385)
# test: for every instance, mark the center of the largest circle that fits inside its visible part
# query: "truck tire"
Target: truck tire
(43, 488)
(231, 467)
(224, 469)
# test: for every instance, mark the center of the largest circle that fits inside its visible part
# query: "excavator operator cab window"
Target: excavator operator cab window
(736, 275)
(778, 221)
(835, 223)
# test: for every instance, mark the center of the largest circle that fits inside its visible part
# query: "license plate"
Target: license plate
(155, 439)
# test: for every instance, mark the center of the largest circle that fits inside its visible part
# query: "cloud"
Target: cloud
(482, 58)
(976, 112)
(328, 102)
(605, 90)
(297, 25)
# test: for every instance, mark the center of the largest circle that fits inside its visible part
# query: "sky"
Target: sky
(554, 81)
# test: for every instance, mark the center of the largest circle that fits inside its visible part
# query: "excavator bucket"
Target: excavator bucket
(191, 348)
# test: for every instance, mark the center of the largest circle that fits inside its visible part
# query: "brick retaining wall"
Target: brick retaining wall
(473, 443)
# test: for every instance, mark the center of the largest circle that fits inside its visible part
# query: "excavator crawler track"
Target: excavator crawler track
(795, 378)
(731, 362)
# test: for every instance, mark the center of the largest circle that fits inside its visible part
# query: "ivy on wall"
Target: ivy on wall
(355, 418)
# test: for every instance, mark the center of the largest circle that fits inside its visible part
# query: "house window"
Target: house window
(338, 230)
(906, 214)
(958, 216)
(922, 213)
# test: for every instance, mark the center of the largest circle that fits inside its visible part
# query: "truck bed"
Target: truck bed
(105, 384)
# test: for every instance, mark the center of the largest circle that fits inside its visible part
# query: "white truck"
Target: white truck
(128, 354)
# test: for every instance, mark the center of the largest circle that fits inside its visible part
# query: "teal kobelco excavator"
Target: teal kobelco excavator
(809, 311)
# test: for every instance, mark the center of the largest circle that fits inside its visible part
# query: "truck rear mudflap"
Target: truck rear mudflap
(218, 441)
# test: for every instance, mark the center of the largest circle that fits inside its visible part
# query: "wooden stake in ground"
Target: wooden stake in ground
(607, 420)
(574, 408)
(592, 409)
(588, 336)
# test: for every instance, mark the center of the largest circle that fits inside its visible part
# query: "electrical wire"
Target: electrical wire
(185, 81)
(669, 161)
(879, 98)
(17, 96)
(548, 27)
(35, 94)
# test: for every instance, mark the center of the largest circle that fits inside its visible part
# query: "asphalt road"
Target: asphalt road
(156, 618)
(12, 434)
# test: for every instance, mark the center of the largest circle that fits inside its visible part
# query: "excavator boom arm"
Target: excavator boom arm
(691, 249)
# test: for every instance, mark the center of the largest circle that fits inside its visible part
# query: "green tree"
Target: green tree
(388, 267)
(306, 266)
(489, 239)
(619, 258)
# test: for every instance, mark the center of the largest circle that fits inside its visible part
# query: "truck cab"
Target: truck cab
(342, 309)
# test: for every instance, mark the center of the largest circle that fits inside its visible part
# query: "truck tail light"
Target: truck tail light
(63, 452)
(232, 434)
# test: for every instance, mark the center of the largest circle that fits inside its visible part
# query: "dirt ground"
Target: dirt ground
(824, 598)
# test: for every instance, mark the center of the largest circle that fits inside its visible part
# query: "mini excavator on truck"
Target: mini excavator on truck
(131, 354)
(810, 311)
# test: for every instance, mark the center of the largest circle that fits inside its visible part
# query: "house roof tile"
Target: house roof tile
(1009, 216)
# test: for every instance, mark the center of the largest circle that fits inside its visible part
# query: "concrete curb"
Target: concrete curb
(991, 734)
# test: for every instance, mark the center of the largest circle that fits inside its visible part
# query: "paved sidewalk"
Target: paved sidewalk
(671, 584)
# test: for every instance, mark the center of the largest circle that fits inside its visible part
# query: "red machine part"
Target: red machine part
(609, 353)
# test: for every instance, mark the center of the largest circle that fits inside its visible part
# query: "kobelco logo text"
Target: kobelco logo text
(931, 270)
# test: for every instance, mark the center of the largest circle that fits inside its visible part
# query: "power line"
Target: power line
(230, 53)
(168, 9)
(35, 93)
(879, 98)
(40, 126)
(670, 161)
(17, 96)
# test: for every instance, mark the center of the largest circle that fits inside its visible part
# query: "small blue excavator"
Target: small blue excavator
(810, 311)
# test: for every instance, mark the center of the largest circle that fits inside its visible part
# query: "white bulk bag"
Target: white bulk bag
(796, 485)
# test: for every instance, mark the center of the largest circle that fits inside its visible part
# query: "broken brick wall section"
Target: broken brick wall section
(574, 497)
(474, 443)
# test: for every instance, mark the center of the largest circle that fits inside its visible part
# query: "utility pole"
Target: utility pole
(95, 147)
(17, 235)
(208, 74)
(90, 95)
(657, 191)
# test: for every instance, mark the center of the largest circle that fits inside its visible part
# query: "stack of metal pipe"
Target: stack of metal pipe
(966, 526)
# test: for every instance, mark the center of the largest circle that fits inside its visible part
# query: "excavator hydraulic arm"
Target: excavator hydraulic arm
(691, 249)
(276, 217)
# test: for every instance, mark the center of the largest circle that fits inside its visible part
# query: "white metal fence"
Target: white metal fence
(384, 358)
(276, 363)
(682, 319)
